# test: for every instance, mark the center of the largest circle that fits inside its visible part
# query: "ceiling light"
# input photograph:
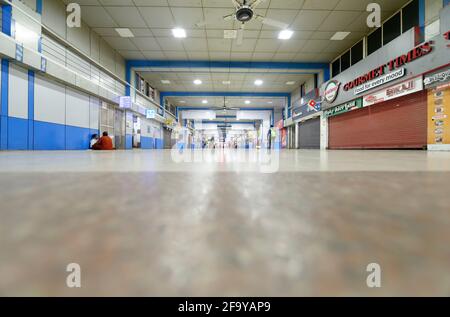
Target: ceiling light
(270, 102)
(226, 82)
(165, 82)
(197, 82)
(124, 32)
(339, 36)
(247, 102)
(179, 33)
(290, 83)
(285, 35)
(258, 82)
(229, 34)
(182, 101)
(204, 102)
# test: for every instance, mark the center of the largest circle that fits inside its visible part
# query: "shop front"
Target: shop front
(390, 118)
(437, 85)
(390, 105)
(307, 118)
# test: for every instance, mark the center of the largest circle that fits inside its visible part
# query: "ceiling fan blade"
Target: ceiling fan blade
(256, 3)
(240, 35)
(271, 22)
(236, 4)
(229, 17)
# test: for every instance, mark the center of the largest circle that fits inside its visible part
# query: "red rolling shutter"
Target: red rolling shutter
(397, 123)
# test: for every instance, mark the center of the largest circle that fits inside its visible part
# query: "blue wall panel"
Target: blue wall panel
(17, 134)
(128, 142)
(3, 133)
(147, 143)
(77, 138)
(49, 136)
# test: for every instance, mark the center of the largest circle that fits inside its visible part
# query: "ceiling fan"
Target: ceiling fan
(245, 12)
(225, 108)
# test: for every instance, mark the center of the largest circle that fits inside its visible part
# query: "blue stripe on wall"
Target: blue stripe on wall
(77, 138)
(128, 141)
(147, 143)
(17, 133)
(39, 6)
(30, 109)
(49, 136)
(6, 19)
(4, 105)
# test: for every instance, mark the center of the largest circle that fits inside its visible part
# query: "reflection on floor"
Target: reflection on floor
(139, 223)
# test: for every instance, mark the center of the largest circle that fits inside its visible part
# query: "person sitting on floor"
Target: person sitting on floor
(104, 143)
(94, 139)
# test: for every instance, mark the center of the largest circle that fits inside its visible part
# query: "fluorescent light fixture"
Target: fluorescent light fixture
(182, 101)
(247, 102)
(198, 82)
(285, 34)
(124, 32)
(258, 82)
(204, 102)
(339, 36)
(290, 83)
(165, 82)
(179, 33)
(270, 102)
(226, 82)
(229, 34)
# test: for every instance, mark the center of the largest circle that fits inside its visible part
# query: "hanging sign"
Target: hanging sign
(151, 114)
(125, 102)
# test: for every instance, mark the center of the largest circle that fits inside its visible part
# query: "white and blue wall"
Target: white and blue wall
(41, 114)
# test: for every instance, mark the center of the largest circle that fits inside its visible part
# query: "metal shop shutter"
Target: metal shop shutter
(309, 134)
(397, 123)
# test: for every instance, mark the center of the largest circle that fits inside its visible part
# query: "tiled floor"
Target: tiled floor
(139, 223)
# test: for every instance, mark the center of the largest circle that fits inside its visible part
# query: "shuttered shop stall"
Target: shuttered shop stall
(309, 134)
(398, 123)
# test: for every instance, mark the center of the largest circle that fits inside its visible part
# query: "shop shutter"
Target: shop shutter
(398, 123)
(309, 134)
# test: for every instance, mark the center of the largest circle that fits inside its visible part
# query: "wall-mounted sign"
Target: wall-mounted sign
(399, 73)
(414, 54)
(19, 52)
(306, 110)
(399, 90)
(439, 118)
(125, 102)
(437, 78)
(346, 107)
(151, 114)
(43, 64)
(331, 91)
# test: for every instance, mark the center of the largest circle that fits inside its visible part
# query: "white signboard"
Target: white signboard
(399, 90)
(380, 81)
(151, 114)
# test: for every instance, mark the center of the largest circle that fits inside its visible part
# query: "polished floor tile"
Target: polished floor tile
(143, 223)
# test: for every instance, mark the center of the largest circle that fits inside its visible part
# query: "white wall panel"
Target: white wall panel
(94, 110)
(50, 101)
(54, 16)
(77, 109)
(18, 92)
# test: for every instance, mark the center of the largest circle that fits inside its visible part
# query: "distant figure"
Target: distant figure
(269, 138)
(104, 143)
(94, 140)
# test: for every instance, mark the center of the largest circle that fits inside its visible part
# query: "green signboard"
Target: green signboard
(346, 107)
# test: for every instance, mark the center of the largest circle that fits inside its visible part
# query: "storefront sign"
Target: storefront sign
(349, 106)
(392, 65)
(125, 102)
(151, 114)
(439, 119)
(306, 110)
(437, 78)
(380, 81)
(399, 90)
(331, 91)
